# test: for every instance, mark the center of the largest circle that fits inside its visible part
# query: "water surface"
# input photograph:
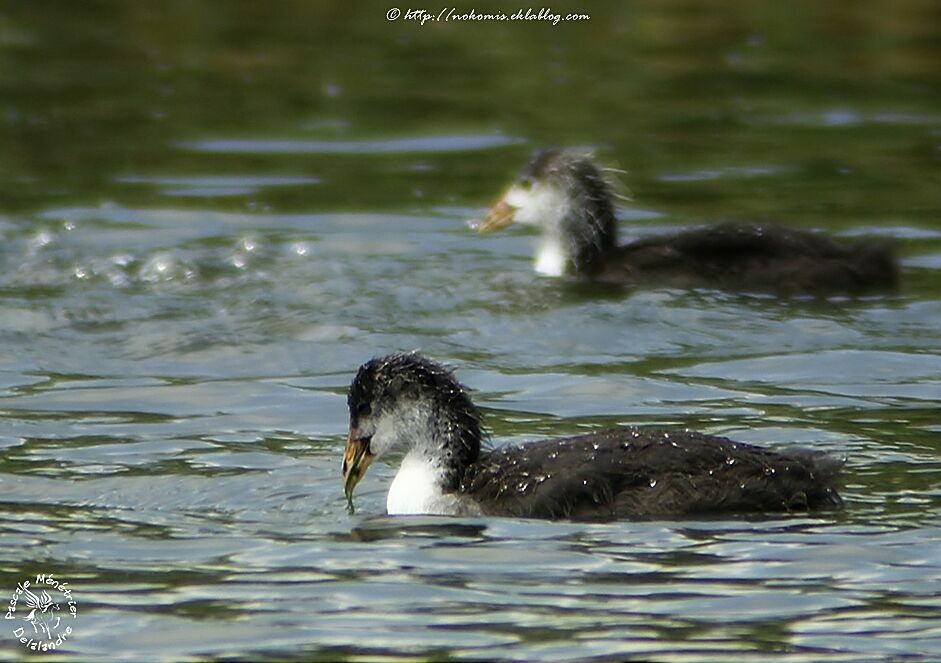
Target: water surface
(212, 213)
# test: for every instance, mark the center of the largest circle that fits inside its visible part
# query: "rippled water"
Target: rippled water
(211, 215)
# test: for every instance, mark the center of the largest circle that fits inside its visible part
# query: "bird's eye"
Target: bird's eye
(525, 183)
(363, 410)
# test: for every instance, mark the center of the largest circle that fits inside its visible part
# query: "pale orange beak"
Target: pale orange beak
(499, 216)
(356, 459)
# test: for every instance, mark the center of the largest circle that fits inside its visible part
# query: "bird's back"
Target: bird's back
(646, 473)
(754, 257)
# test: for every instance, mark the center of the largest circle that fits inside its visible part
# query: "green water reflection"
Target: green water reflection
(212, 212)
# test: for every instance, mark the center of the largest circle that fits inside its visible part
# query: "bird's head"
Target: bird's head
(538, 197)
(404, 402)
(566, 194)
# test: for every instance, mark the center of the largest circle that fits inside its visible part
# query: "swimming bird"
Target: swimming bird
(408, 403)
(568, 197)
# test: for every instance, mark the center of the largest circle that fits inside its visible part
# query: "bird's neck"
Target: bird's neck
(553, 257)
(437, 457)
(419, 487)
(578, 242)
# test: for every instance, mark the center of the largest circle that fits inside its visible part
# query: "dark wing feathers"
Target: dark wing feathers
(641, 472)
(756, 257)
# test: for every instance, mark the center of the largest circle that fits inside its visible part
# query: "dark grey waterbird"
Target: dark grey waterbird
(567, 196)
(407, 403)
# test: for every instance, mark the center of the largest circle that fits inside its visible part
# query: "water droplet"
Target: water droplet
(40, 240)
(730, 461)
(653, 483)
(159, 264)
(164, 267)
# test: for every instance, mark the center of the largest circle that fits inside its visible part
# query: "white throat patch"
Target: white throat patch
(551, 257)
(415, 489)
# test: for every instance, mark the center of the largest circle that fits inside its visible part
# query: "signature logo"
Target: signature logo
(42, 611)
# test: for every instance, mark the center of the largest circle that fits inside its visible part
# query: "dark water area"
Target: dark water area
(212, 213)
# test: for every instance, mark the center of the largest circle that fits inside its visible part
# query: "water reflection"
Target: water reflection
(399, 146)
(211, 213)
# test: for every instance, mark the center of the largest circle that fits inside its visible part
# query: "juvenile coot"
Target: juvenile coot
(568, 197)
(407, 403)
